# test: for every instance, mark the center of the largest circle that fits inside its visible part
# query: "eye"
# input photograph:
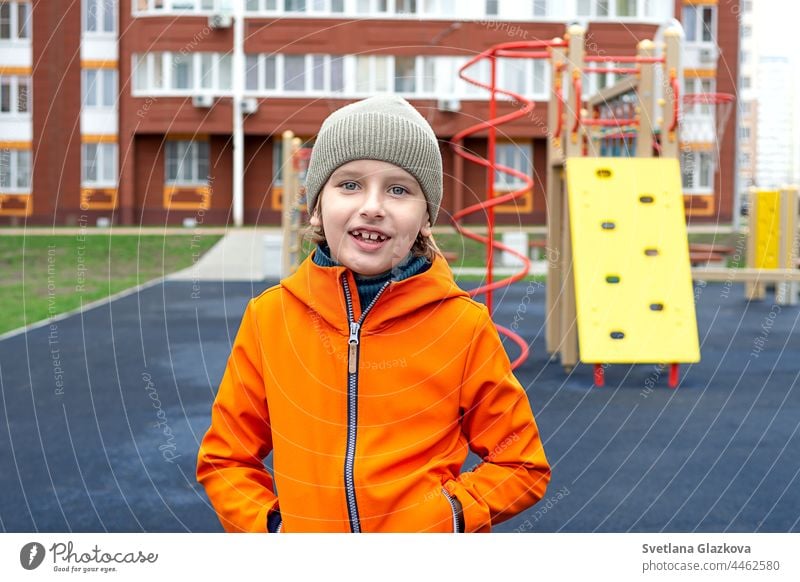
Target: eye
(398, 190)
(349, 185)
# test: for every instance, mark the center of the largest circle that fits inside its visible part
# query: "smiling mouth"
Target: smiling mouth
(368, 237)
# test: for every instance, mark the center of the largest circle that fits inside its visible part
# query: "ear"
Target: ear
(426, 228)
(314, 219)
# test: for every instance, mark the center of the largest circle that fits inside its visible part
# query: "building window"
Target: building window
(15, 21)
(295, 5)
(182, 71)
(405, 74)
(516, 156)
(540, 7)
(405, 6)
(440, 8)
(294, 73)
(746, 82)
(15, 171)
(99, 16)
(492, 7)
(187, 163)
(372, 74)
(701, 86)
(744, 133)
(599, 8)
(99, 168)
(99, 87)
(372, 6)
(700, 23)
(145, 6)
(745, 159)
(625, 7)
(15, 95)
(697, 172)
(183, 74)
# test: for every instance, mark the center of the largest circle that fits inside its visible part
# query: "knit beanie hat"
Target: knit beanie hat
(384, 128)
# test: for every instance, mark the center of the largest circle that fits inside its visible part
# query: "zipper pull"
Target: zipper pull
(353, 341)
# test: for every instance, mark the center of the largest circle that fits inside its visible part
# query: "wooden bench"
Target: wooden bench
(701, 253)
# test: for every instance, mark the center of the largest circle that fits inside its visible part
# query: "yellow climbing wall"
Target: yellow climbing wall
(768, 228)
(633, 282)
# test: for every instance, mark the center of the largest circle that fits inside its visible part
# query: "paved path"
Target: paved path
(102, 416)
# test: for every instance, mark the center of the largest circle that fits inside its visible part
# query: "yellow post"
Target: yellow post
(786, 291)
(752, 289)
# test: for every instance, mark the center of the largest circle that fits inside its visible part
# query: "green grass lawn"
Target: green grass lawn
(42, 276)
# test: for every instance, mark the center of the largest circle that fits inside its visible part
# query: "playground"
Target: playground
(664, 387)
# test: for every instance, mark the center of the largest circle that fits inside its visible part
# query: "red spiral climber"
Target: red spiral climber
(523, 49)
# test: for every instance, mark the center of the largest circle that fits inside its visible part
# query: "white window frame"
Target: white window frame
(698, 23)
(312, 8)
(697, 170)
(159, 7)
(373, 62)
(10, 158)
(643, 10)
(14, 81)
(100, 14)
(143, 69)
(13, 18)
(513, 154)
(443, 83)
(99, 88)
(105, 151)
(194, 149)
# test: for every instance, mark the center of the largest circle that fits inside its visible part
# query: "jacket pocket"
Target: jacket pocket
(454, 508)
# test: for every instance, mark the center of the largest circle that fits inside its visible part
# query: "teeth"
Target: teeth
(369, 235)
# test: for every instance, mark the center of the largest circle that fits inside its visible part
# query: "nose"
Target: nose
(372, 205)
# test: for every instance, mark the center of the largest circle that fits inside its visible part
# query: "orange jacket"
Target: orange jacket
(369, 425)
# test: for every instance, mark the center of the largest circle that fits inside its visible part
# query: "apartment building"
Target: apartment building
(122, 111)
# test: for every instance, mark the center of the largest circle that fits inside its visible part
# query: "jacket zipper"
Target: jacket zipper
(352, 399)
(452, 503)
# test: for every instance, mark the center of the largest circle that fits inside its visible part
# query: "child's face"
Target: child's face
(365, 199)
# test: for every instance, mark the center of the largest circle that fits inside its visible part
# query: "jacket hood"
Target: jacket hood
(321, 290)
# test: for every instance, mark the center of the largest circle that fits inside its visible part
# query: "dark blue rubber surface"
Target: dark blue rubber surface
(102, 414)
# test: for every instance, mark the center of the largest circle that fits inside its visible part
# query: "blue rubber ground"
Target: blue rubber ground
(116, 450)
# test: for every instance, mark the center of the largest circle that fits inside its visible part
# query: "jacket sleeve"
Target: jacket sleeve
(230, 461)
(498, 424)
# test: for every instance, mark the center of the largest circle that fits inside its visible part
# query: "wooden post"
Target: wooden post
(753, 290)
(645, 92)
(670, 140)
(573, 147)
(289, 194)
(554, 197)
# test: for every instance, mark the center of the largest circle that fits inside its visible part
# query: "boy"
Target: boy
(368, 373)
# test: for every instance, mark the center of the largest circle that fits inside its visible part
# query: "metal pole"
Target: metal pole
(238, 122)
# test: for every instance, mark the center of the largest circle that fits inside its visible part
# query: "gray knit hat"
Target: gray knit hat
(384, 128)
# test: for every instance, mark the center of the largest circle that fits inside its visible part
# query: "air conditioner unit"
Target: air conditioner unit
(203, 101)
(249, 106)
(220, 21)
(450, 104)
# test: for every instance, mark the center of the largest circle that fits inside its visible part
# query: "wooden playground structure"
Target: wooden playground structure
(619, 278)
